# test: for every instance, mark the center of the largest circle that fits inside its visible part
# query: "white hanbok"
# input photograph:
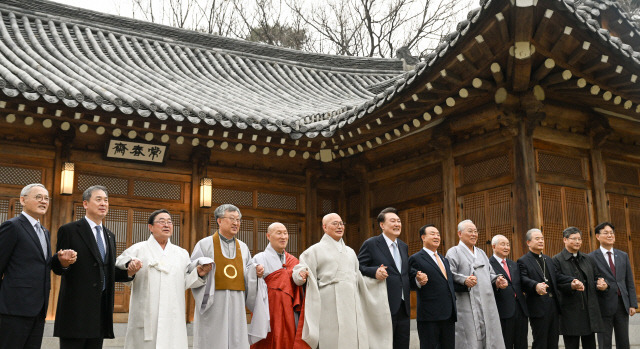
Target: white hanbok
(157, 316)
(343, 309)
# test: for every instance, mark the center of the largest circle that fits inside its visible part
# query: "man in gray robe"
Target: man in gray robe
(478, 325)
(342, 309)
(220, 317)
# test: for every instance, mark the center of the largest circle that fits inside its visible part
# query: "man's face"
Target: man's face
(391, 227)
(469, 234)
(536, 244)
(36, 202)
(607, 236)
(431, 238)
(333, 226)
(573, 242)
(162, 227)
(229, 224)
(502, 248)
(98, 205)
(278, 237)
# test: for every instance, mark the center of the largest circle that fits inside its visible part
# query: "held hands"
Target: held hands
(422, 278)
(632, 311)
(303, 274)
(541, 288)
(501, 282)
(601, 285)
(67, 257)
(381, 273)
(577, 285)
(204, 269)
(471, 281)
(133, 267)
(260, 270)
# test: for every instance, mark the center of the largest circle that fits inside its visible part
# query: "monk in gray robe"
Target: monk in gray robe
(478, 325)
(342, 309)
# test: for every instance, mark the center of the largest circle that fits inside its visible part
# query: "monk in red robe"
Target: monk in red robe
(284, 296)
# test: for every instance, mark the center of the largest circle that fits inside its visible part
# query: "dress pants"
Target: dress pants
(618, 322)
(437, 334)
(89, 343)
(515, 330)
(401, 328)
(21, 331)
(573, 342)
(546, 330)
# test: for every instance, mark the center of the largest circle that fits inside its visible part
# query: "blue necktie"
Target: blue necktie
(42, 238)
(102, 252)
(396, 258)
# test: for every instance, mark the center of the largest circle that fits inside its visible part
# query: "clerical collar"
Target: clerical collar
(575, 255)
(537, 255)
(225, 239)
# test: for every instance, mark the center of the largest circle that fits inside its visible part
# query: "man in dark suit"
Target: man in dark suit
(85, 305)
(540, 284)
(25, 265)
(437, 312)
(386, 257)
(619, 301)
(512, 306)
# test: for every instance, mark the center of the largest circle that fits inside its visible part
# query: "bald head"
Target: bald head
(333, 226)
(278, 236)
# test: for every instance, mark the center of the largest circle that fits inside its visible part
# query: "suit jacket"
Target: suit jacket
(505, 299)
(437, 298)
(375, 251)
(531, 275)
(25, 278)
(623, 282)
(78, 314)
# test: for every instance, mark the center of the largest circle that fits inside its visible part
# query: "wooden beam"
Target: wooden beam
(571, 84)
(525, 195)
(450, 77)
(523, 17)
(542, 26)
(502, 96)
(435, 87)
(578, 53)
(482, 84)
(544, 69)
(623, 81)
(471, 93)
(597, 64)
(487, 54)
(606, 75)
(496, 71)
(425, 97)
(561, 43)
(502, 27)
(468, 66)
(557, 78)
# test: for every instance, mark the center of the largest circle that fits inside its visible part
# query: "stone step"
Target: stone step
(120, 330)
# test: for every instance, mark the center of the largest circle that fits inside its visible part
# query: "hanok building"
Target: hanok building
(526, 116)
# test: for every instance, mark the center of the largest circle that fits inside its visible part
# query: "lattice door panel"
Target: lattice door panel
(630, 223)
(293, 229)
(246, 233)
(9, 208)
(562, 207)
(4, 210)
(412, 220)
(492, 213)
(140, 226)
(618, 216)
(17, 207)
(19, 176)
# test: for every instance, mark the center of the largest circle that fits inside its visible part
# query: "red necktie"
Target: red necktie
(613, 268)
(506, 268)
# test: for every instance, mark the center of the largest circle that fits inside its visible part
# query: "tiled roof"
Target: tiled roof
(81, 57)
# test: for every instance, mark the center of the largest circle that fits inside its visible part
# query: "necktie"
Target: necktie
(100, 243)
(506, 268)
(102, 253)
(444, 271)
(613, 268)
(42, 238)
(396, 258)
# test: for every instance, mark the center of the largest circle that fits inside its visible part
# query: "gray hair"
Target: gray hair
(86, 196)
(463, 223)
(25, 191)
(220, 210)
(570, 231)
(496, 238)
(531, 231)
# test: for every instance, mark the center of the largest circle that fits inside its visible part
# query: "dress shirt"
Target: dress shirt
(606, 256)
(34, 221)
(390, 243)
(93, 226)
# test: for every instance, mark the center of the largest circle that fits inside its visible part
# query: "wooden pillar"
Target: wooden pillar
(525, 192)
(199, 224)
(312, 232)
(599, 131)
(365, 206)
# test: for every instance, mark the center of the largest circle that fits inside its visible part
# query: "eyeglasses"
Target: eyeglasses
(236, 220)
(40, 197)
(164, 222)
(337, 224)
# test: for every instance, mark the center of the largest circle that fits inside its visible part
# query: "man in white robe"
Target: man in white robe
(157, 308)
(342, 309)
(478, 325)
(220, 317)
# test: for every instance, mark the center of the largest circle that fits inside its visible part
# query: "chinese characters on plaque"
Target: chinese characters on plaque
(136, 151)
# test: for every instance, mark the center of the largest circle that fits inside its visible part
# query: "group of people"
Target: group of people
(329, 298)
